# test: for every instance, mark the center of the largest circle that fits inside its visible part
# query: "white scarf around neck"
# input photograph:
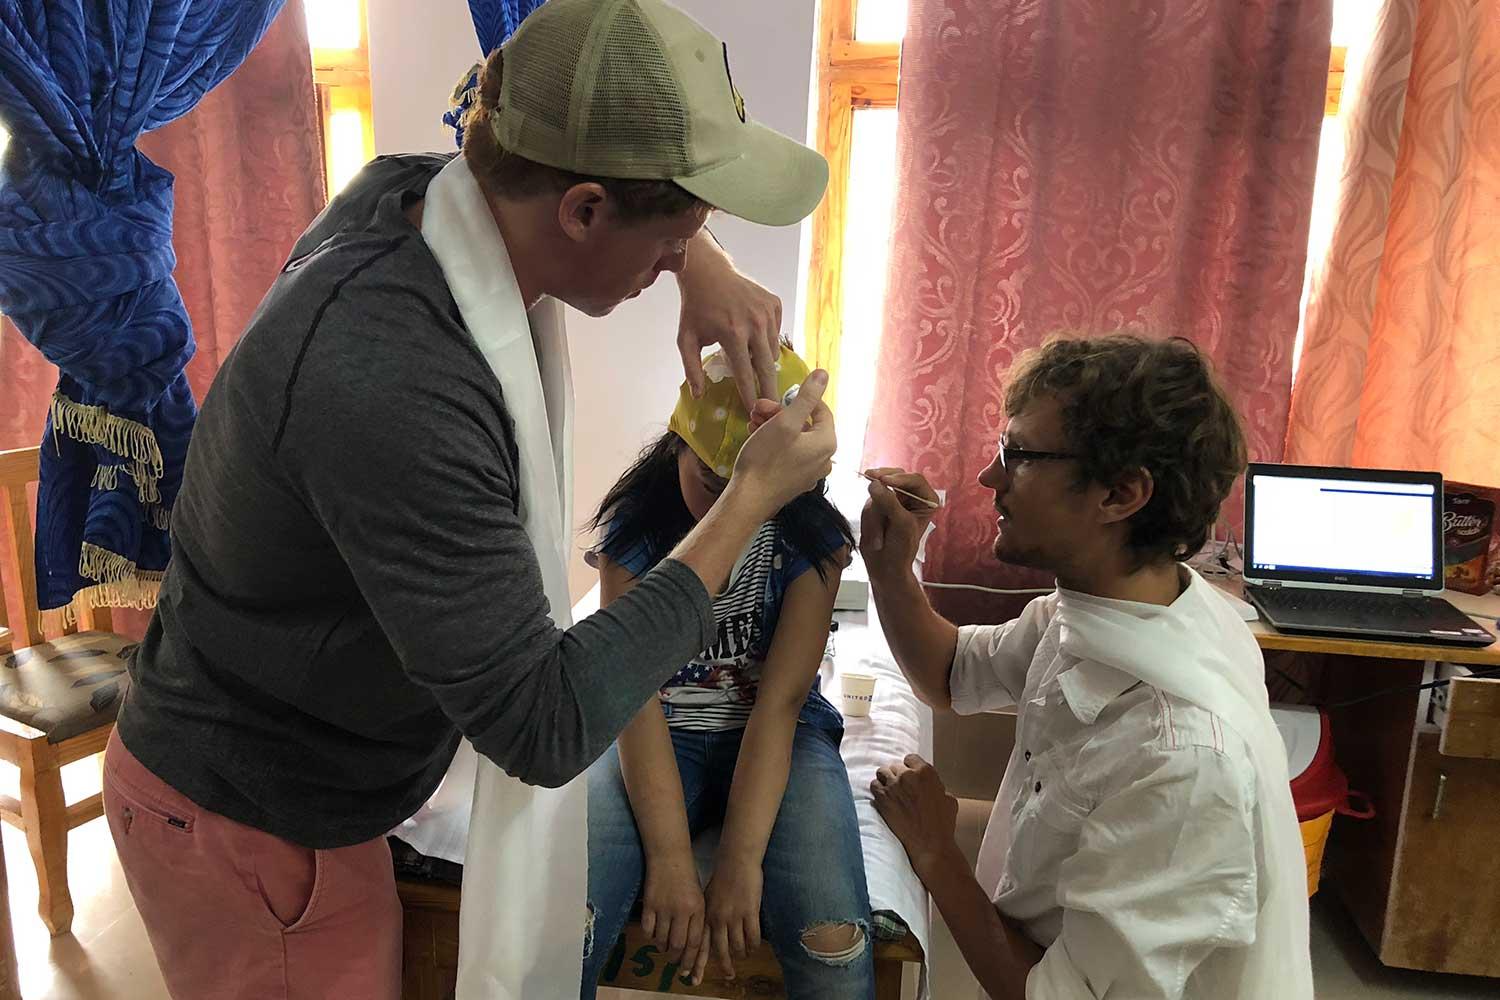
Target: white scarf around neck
(524, 912)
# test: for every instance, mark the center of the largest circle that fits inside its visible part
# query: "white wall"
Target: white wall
(625, 367)
(415, 61)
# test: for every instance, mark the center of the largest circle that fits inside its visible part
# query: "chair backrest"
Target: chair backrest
(20, 618)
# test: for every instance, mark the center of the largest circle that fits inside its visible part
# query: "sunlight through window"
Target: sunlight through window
(333, 24)
(346, 153)
(867, 238)
(1354, 23)
(880, 20)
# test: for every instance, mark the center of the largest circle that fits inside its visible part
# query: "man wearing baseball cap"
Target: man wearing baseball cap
(370, 546)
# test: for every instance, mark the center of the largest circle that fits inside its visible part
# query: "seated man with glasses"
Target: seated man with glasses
(1143, 843)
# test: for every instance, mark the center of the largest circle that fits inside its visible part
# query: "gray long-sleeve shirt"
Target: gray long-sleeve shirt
(351, 587)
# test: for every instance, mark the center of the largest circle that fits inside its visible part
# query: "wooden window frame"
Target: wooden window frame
(1335, 80)
(342, 80)
(853, 75)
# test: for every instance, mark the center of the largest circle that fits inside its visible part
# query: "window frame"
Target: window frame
(852, 75)
(341, 78)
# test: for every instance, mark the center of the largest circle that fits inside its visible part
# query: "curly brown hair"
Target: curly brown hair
(1129, 403)
(503, 172)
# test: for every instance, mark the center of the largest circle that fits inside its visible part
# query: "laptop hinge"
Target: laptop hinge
(1270, 585)
(1412, 593)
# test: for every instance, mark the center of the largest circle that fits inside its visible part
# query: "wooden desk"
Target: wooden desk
(1483, 609)
(1422, 879)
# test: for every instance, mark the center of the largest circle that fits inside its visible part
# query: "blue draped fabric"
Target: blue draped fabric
(494, 22)
(86, 266)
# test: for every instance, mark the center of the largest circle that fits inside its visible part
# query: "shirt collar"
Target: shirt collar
(1089, 687)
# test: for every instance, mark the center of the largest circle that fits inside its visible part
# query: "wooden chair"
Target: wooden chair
(429, 964)
(58, 697)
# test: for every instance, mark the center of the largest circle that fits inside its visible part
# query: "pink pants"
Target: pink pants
(234, 913)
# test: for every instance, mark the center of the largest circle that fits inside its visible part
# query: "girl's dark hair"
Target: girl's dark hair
(644, 507)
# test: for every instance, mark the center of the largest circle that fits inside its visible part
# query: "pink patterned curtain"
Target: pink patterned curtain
(249, 178)
(1089, 166)
(1401, 362)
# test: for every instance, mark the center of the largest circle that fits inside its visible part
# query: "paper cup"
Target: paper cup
(859, 694)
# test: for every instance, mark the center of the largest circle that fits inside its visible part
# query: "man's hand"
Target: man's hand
(722, 306)
(733, 899)
(672, 911)
(891, 526)
(910, 797)
(789, 452)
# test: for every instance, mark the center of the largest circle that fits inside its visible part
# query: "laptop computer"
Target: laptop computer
(1350, 552)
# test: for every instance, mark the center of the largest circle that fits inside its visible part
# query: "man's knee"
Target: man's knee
(835, 944)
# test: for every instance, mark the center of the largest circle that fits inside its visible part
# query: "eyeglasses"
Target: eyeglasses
(1010, 457)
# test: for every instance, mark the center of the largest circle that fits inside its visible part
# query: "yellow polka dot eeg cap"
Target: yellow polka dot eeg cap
(717, 425)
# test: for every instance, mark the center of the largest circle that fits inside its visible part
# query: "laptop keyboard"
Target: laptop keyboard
(1431, 619)
(1389, 609)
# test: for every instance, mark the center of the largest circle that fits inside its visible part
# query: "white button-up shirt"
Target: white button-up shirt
(1124, 838)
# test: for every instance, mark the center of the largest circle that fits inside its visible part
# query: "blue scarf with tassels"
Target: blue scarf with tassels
(86, 265)
(494, 22)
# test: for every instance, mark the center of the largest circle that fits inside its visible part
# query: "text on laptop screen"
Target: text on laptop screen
(1344, 526)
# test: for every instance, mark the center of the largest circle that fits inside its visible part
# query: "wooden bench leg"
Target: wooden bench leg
(888, 979)
(44, 814)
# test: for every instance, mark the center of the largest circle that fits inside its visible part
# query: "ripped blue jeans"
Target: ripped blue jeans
(814, 867)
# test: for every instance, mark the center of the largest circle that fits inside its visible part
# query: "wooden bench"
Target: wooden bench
(429, 964)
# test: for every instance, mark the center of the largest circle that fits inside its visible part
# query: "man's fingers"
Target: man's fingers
(742, 367)
(885, 499)
(648, 923)
(809, 398)
(737, 939)
(887, 503)
(807, 413)
(871, 526)
(821, 421)
(915, 761)
(692, 362)
(765, 348)
(911, 482)
(752, 932)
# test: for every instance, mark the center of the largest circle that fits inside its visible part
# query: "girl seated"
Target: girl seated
(739, 737)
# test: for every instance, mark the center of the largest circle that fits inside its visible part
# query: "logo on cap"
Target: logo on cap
(739, 101)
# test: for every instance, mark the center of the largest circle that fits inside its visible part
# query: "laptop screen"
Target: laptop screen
(1343, 527)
